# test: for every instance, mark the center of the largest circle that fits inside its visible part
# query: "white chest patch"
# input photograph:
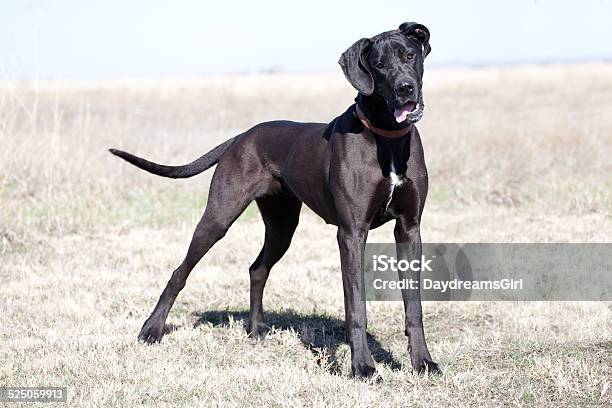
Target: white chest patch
(394, 181)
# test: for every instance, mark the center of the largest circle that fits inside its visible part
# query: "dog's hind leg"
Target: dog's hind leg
(280, 214)
(230, 193)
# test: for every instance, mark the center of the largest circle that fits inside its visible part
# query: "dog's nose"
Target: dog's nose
(405, 88)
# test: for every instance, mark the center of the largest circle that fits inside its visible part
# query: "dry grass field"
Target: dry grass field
(87, 243)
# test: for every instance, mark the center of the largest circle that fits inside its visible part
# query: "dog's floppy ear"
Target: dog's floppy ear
(356, 68)
(419, 32)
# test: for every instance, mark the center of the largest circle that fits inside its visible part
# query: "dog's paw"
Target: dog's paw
(363, 370)
(259, 331)
(151, 333)
(427, 367)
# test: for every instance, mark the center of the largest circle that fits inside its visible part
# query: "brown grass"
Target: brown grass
(87, 243)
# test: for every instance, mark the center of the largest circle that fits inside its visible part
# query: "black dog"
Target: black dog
(361, 170)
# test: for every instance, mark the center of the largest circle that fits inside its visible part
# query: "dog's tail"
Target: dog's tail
(187, 170)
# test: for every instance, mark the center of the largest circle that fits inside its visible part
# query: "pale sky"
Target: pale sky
(109, 39)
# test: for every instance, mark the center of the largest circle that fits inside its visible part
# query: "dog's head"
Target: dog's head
(391, 64)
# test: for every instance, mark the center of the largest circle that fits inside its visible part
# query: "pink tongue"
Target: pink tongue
(402, 114)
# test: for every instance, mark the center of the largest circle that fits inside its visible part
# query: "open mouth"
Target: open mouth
(412, 111)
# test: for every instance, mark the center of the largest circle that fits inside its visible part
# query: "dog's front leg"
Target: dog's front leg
(408, 240)
(351, 247)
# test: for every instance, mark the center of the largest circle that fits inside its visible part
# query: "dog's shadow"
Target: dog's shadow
(316, 332)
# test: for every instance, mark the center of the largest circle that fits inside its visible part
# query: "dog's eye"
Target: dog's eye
(380, 65)
(409, 56)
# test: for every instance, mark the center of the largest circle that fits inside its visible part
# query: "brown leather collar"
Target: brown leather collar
(379, 131)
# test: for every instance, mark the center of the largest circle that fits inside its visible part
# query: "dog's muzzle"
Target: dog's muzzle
(411, 111)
